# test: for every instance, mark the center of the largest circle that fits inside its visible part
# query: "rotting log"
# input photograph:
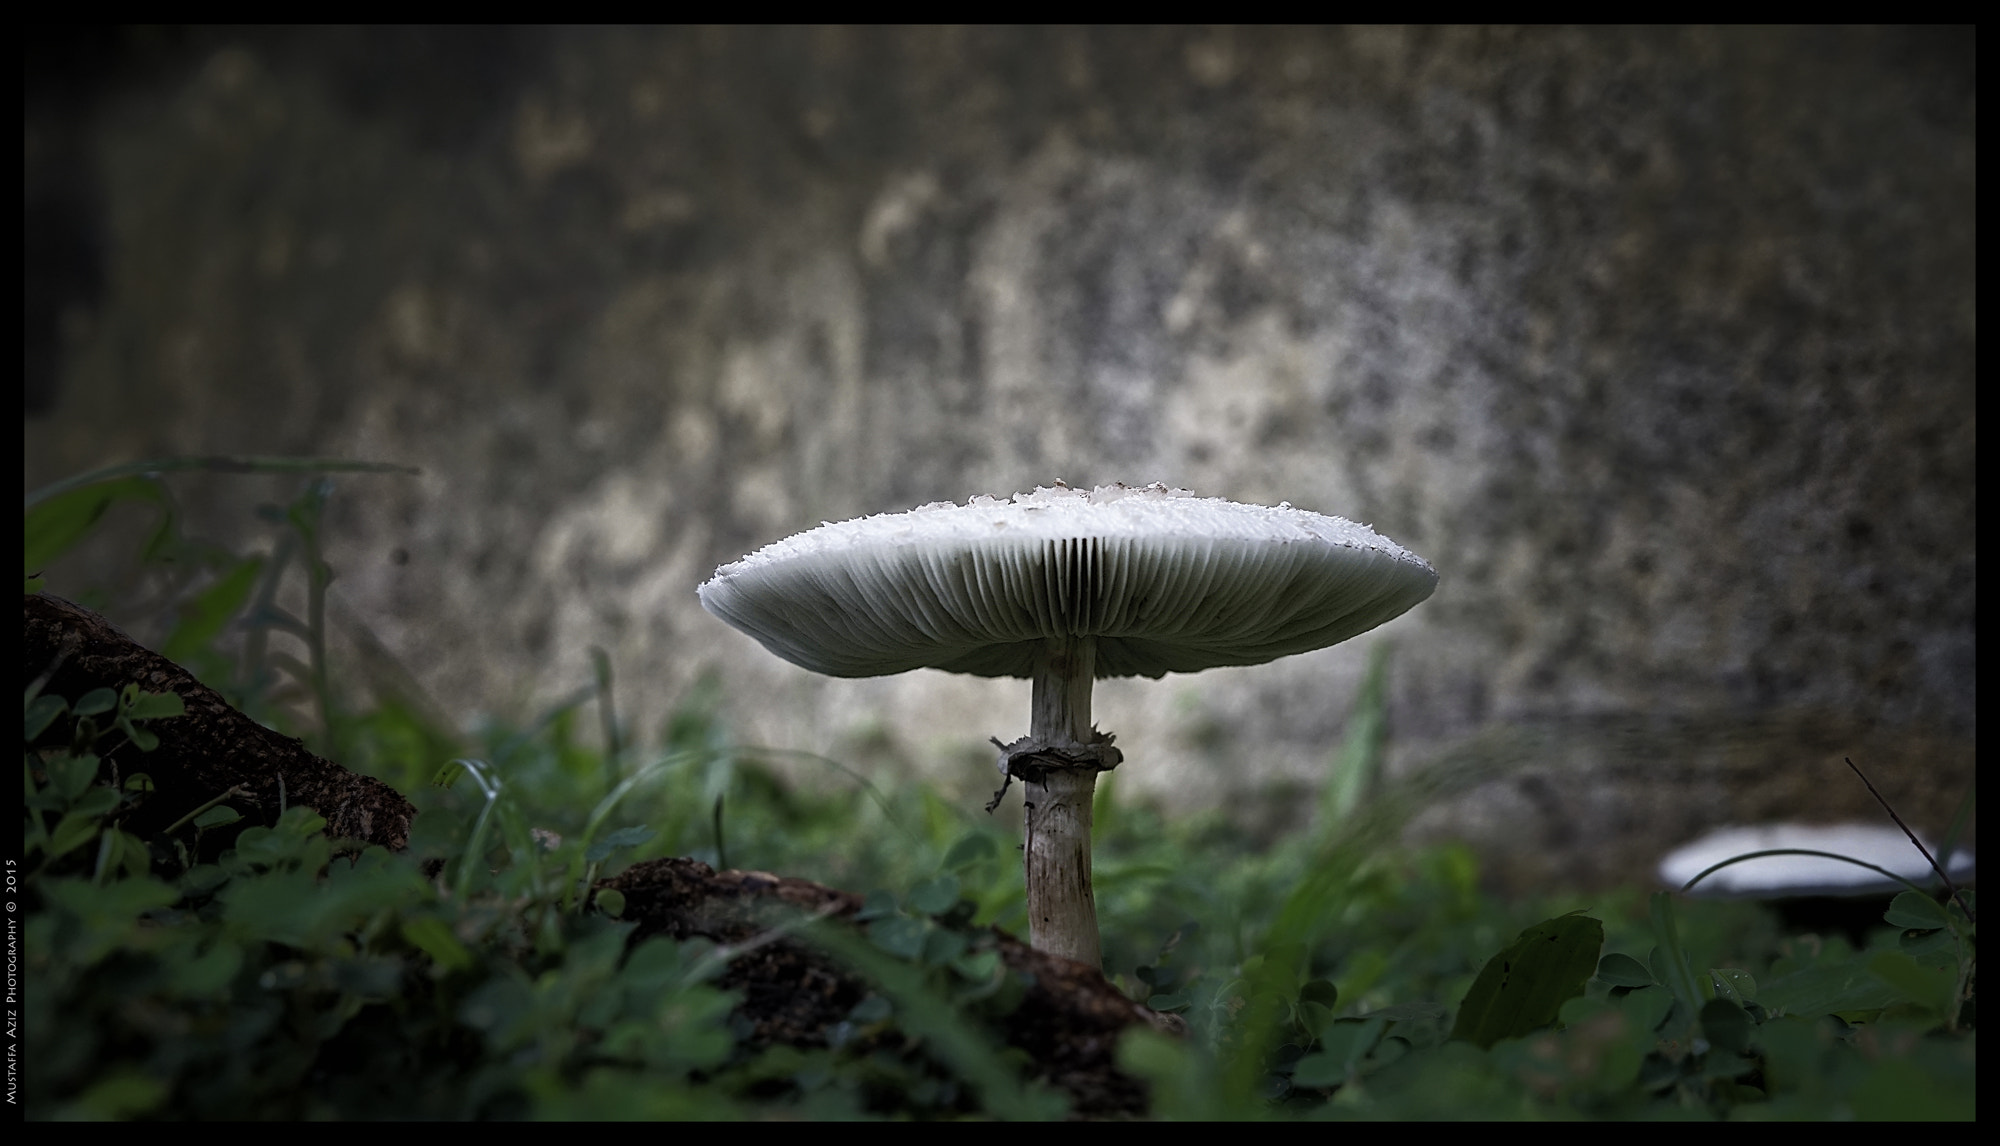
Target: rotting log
(210, 750)
(1068, 1022)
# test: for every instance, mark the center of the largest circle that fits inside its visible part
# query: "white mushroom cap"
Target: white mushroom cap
(1795, 875)
(1165, 582)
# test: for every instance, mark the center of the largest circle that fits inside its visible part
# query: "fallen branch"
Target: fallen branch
(1068, 1023)
(213, 748)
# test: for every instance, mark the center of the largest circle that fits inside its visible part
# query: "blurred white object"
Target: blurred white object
(1795, 875)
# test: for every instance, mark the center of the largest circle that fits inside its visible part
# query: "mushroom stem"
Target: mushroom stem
(1062, 912)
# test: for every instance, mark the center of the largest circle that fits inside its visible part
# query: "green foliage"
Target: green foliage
(931, 979)
(1331, 975)
(1523, 988)
(297, 978)
(55, 526)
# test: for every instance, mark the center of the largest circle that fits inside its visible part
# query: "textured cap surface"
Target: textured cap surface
(1166, 582)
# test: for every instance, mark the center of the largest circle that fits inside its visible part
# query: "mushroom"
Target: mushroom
(1811, 892)
(1804, 876)
(1063, 586)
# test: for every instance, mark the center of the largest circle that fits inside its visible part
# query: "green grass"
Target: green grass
(1332, 974)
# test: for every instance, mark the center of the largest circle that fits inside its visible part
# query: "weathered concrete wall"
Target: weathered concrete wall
(1659, 345)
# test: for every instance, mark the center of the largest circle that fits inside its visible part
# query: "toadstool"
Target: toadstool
(1798, 875)
(1063, 586)
(1811, 892)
